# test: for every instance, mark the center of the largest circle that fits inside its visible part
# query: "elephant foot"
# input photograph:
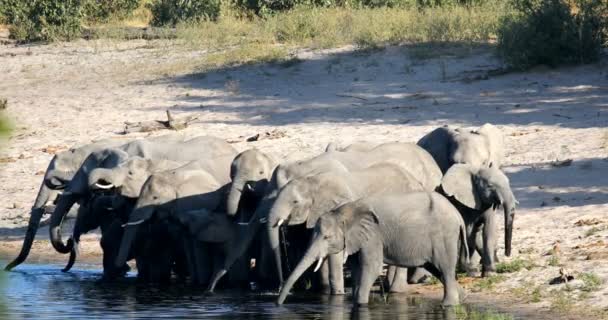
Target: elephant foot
(398, 287)
(489, 273)
(325, 290)
(450, 302)
(462, 294)
(337, 292)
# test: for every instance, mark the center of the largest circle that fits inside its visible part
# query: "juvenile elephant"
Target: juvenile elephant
(304, 199)
(250, 172)
(58, 175)
(477, 192)
(408, 156)
(479, 148)
(78, 189)
(231, 240)
(419, 229)
(165, 194)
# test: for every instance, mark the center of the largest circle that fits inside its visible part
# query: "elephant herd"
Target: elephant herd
(197, 210)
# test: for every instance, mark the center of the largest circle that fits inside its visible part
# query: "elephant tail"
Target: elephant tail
(464, 243)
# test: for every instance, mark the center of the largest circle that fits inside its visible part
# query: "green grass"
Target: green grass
(592, 231)
(562, 301)
(464, 313)
(554, 261)
(514, 266)
(488, 283)
(591, 282)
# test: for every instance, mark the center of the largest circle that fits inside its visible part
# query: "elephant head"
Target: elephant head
(482, 188)
(250, 172)
(166, 194)
(345, 229)
(129, 176)
(78, 191)
(58, 175)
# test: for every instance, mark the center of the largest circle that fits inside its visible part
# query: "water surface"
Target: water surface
(44, 292)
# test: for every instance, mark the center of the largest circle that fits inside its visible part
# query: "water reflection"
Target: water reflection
(42, 292)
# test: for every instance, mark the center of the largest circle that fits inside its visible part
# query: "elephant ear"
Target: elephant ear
(458, 182)
(335, 192)
(113, 157)
(359, 223)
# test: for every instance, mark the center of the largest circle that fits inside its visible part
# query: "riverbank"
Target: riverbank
(71, 93)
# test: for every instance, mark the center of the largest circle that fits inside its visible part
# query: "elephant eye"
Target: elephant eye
(261, 172)
(326, 237)
(130, 173)
(295, 201)
(155, 198)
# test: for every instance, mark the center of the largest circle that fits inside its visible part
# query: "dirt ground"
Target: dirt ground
(60, 95)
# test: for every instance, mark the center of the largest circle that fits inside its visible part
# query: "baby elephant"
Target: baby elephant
(418, 229)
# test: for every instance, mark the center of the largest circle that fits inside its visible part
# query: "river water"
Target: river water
(44, 292)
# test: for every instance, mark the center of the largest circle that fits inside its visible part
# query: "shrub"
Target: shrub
(43, 19)
(170, 12)
(552, 32)
(104, 10)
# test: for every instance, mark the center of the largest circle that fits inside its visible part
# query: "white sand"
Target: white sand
(64, 94)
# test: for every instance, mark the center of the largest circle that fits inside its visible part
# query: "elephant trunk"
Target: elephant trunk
(102, 178)
(273, 236)
(32, 226)
(234, 196)
(509, 210)
(65, 203)
(57, 179)
(125, 245)
(312, 254)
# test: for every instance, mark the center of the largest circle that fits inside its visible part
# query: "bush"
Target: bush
(43, 19)
(170, 12)
(551, 32)
(104, 10)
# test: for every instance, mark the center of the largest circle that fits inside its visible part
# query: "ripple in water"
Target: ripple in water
(43, 292)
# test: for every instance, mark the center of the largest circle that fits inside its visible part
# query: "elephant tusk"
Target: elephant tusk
(319, 263)
(134, 223)
(263, 220)
(243, 223)
(104, 186)
(344, 258)
(248, 187)
(280, 222)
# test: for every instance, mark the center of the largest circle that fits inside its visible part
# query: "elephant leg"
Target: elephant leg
(471, 268)
(336, 273)
(447, 276)
(355, 273)
(417, 275)
(489, 243)
(399, 283)
(203, 263)
(390, 275)
(189, 251)
(370, 269)
(110, 244)
(324, 278)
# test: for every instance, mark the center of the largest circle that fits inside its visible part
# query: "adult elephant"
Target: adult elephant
(419, 229)
(78, 188)
(479, 148)
(477, 193)
(304, 199)
(410, 157)
(164, 195)
(59, 173)
(122, 184)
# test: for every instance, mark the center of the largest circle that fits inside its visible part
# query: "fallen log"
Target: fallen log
(155, 125)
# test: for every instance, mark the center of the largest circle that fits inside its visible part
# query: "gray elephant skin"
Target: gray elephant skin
(419, 229)
(166, 194)
(58, 175)
(477, 193)
(408, 156)
(78, 189)
(479, 148)
(304, 199)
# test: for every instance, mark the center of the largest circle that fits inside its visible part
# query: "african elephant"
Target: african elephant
(410, 157)
(231, 239)
(250, 172)
(477, 192)
(58, 175)
(357, 146)
(78, 188)
(479, 148)
(419, 229)
(165, 194)
(304, 199)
